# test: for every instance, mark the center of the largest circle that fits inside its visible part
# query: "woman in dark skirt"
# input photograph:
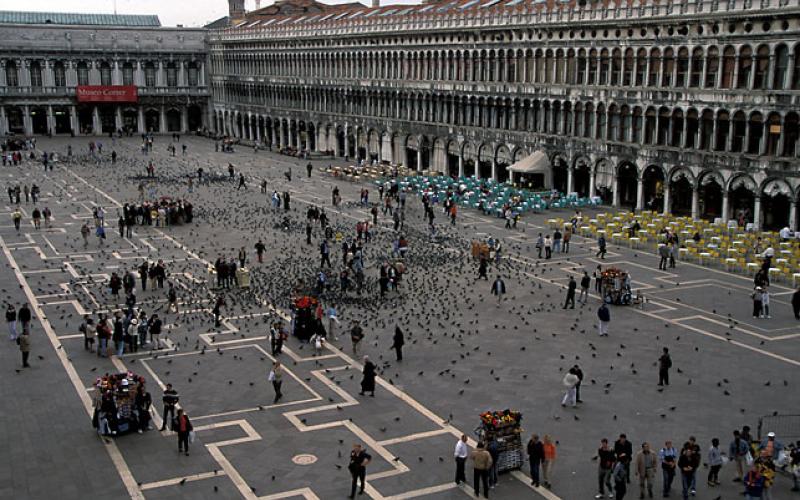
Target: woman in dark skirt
(368, 382)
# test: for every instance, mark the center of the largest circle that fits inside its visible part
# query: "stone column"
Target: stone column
(793, 215)
(640, 193)
(138, 75)
(182, 74)
(726, 210)
(695, 203)
(51, 121)
(162, 120)
(2, 74)
(116, 75)
(97, 125)
(419, 156)
(73, 120)
(161, 80)
(258, 129)
(118, 118)
(3, 120)
(140, 125)
(184, 119)
(615, 198)
(461, 165)
(592, 183)
(757, 213)
(494, 168)
(570, 180)
(667, 200)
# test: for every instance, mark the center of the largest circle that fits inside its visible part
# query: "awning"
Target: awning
(536, 163)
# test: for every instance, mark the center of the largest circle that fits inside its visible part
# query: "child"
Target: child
(765, 303)
(757, 304)
(318, 341)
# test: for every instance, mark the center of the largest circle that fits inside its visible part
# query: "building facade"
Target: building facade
(689, 107)
(46, 58)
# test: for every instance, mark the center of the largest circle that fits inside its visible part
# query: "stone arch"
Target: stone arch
(503, 160)
(627, 179)
(653, 187)
(742, 191)
(776, 198)
(470, 155)
(485, 159)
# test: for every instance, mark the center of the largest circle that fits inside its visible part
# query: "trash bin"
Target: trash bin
(243, 277)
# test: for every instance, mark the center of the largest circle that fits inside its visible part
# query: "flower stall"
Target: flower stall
(504, 427)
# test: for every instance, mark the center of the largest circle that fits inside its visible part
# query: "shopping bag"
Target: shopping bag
(748, 459)
(191, 436)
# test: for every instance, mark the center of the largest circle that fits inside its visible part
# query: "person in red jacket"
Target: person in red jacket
(183, 426)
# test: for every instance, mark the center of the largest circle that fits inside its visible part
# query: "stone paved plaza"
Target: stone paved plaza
(464, 354)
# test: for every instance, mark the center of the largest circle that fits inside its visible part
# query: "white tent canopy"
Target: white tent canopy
(536, 163)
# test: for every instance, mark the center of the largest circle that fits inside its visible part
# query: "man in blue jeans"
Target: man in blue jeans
(495, 453)
(668, 456)
(535, 456)
(686, 465)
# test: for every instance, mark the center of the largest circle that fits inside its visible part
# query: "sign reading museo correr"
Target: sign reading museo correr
(106, 93)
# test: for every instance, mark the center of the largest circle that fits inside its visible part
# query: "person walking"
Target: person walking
(754, 484)
(586, 281)
(276, 378)
(356, 336)
(549, 448)
(368, 377)
(493, 448)
(539, 246)
(714, 463)
(170, 398)
(481, 463)
(460, 454)
(664, 364)
(605, 466)
(737, 452)
(24, 342)
(260, 248)
(604, 317)
(686, 466)
(11, 321)
(570, 381)
(85, 234)
(620, 485)
(183, 426)
(24, 317)
(359, 458)
(17, 216)
(398, 343)
(571, 286)
(668, 456)
(499, 289)
(535, 451)
(795, 302)
(548, 247)
(646, 470)
(663, 253)
(624, 451)
(482, 267)
(601, 247)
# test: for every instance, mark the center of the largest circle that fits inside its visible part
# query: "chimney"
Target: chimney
(376, 4)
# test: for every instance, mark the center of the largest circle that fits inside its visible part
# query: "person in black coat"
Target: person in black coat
(368, 382)
(571, 293)
(399, 342)
(623, 449)
(796, 303)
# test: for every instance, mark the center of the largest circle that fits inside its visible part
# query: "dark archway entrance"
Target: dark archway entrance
(776, 211)
(39, 120)
(560, 174)
(61, 116)
(654, 188)
(151, 120)
(710, 199)
(195, 118)
(626, 183)
(680, 192)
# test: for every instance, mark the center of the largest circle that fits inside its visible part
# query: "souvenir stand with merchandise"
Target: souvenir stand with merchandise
(304, 324)
(117, 392)
(503, 426)
(615, 286)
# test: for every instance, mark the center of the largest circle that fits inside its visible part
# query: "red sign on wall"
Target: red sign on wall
(106, 93)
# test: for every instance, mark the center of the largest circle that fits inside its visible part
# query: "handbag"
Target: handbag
(748, 459)
(191, 436)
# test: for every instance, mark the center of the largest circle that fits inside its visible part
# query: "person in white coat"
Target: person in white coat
(570, 381)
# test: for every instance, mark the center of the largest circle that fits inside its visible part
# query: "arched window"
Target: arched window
(692, 126)
(663, 126)
(625, 124)
(697, 68)
(677, 128)
(761, 68)
(728, 67)
(83, 73)
(739, 131)
(616, 67)
(723, 129)
(791, 130)
(12, 76)
(683, 67)
(637, 125)
(127, 73)
(150, 74)
(781, 67)
(773, 134)
(668, 67)
(706, 129)
(600, 132)
(641, 67)
(712, 67)
(59, 75)
(588, 120)
(593, 67)
(745, 67)
(105, 73)
(655, 62)
(541, 67)
(571, 67)
(650, 126)
(35, 70)
(581, 69)
(755, 129)
(604, 63)
(548, 67)
(613, 123)
(627, 79)
(559, 66)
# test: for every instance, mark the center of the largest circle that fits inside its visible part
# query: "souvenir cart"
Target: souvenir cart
(115, 403)
(503, 426)
(304, 321)
(615, 286)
